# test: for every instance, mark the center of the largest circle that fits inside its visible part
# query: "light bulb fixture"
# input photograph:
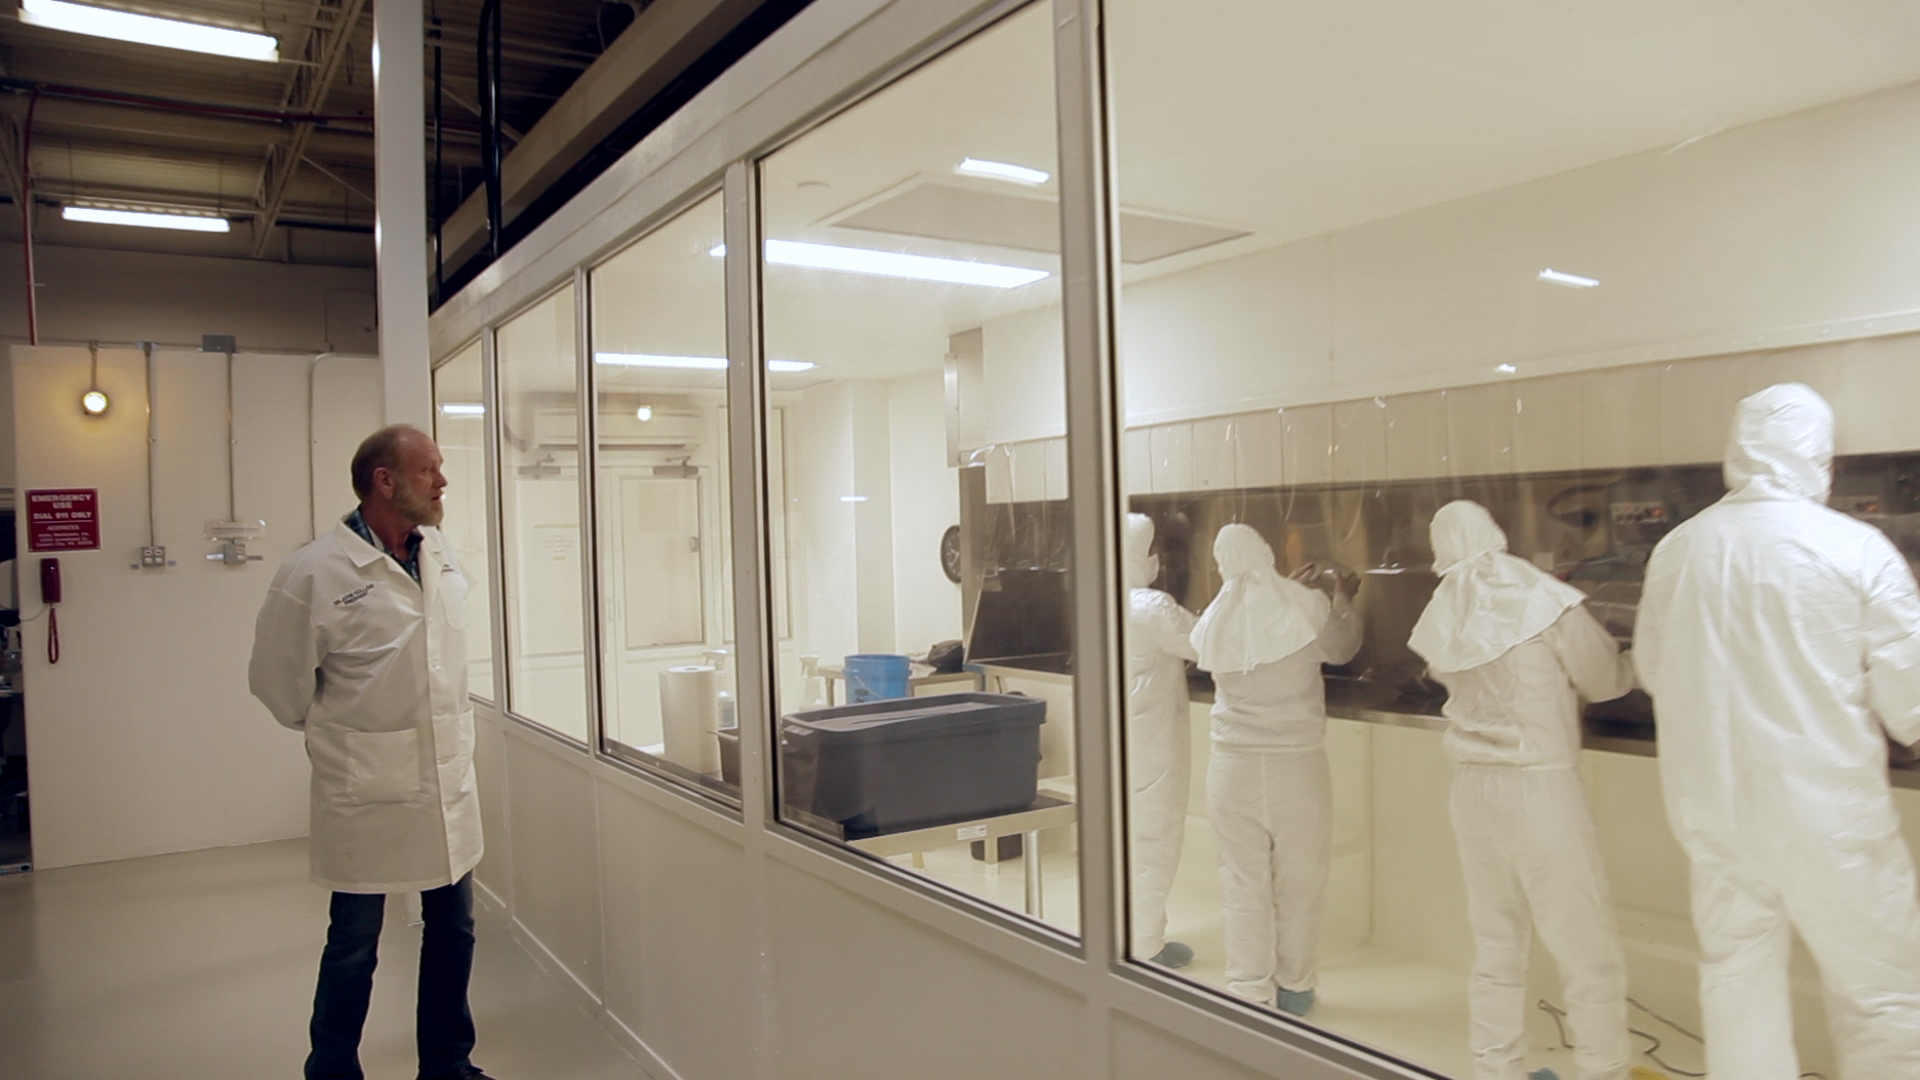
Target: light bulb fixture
(894, 264)
(146, 219)
(94, 402)
(643, 414)
(149, 30)
(456, 408)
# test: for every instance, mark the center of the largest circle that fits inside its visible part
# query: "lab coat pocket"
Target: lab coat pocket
(453, 597)
(382, 767)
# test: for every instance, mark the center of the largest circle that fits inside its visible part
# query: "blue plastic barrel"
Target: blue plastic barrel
(876, 676)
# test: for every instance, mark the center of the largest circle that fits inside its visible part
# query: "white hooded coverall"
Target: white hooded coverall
(372, 667)
(1159, 743)
(1777, 638)
(1269, 790)
(1516, 652)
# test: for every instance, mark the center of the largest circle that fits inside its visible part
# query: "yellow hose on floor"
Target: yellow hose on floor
(1641, 1072)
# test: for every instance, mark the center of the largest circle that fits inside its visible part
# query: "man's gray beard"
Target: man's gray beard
(421, 510)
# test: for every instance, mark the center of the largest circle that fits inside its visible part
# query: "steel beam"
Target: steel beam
(400, 208)
(306, 92)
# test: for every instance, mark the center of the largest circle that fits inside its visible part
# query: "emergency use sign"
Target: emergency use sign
(63, 520)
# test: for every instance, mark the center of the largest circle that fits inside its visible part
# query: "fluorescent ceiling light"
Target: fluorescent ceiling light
(853, 498)
(148, 30)
(145, 220)
(1571, 280)
(1505, 369)
(692, 363)
(1000, 170)
(458, 409)
(894, 264)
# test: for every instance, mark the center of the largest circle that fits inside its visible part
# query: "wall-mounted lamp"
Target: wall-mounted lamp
(94, 402)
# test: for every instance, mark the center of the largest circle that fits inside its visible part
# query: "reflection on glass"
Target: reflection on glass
(918, 422)
(1412, 276)
(460, 426)
(659, 340)
(540, 511)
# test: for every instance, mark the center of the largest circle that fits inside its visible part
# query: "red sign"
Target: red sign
(67, 520)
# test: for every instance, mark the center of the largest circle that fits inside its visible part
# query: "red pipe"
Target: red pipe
(237, 112)
(26, 218)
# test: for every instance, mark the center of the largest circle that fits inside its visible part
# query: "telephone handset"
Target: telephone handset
(50, 595)
(49, 581)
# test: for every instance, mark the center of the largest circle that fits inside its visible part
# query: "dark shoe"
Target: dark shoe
(468, 1073)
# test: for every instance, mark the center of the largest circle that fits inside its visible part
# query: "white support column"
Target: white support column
(400, 208)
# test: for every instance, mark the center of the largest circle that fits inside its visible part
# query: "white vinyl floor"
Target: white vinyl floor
(200, 966)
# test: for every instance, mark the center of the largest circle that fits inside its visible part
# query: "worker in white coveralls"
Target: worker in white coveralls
(1269, 788)
(1159, 742)
(1777, 638)
(1517, 652)
(362, 646)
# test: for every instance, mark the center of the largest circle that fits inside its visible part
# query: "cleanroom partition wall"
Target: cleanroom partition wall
(460, 427)
(1517, 256)
(1344, 272)
(659, 332)
(540, 466)
(892, 233)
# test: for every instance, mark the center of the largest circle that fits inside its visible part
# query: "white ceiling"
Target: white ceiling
(1289, 118)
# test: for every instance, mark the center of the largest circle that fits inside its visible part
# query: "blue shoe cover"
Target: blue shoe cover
(1297, 1002)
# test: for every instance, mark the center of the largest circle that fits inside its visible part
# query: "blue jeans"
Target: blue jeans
(443, 1025)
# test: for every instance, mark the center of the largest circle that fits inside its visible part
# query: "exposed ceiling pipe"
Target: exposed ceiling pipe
(26, 218)
(237, 112)
(489, 66)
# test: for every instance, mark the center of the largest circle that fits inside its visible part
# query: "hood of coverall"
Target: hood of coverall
(1139, 566)
(1259, 616)
(1781, 446)
(1488, 601)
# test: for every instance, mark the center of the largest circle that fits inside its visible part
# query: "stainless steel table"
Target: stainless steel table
(1047, 812)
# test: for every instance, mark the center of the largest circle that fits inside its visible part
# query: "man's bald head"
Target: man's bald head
(399, 467)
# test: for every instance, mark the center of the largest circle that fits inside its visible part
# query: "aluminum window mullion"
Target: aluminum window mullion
(756, 652)
(587, 413)
(496, 525)
(1087, 226)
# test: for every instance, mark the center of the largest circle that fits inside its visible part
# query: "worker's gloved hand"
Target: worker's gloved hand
(1331, 578)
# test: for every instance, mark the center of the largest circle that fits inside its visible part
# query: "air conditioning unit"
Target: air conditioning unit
(678, 431)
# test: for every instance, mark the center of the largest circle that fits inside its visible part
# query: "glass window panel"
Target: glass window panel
(660, 383)
(892, 257)
(539, 392)
(460, 426)
(1530, 256)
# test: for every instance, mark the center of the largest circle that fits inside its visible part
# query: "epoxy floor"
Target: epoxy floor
(200, 966)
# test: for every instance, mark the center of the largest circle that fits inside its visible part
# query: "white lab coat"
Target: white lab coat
(1159, 742)
(1269, 786)
(1517, 652)
(372, 667)
(1778, 639)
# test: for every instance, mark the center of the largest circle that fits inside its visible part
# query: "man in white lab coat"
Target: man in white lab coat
(362, 646)
(1778, 639)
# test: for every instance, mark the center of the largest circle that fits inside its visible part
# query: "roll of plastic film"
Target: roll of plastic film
(689, 716)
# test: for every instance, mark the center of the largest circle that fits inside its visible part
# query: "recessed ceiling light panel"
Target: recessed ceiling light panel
(895, 264)
(1571, 281)
(1000, 170)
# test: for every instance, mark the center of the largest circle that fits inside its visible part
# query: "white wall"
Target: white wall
(143, 739)
(1794, 230)
(926, 501)
(121, 296)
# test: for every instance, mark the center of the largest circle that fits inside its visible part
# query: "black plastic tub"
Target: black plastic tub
(907, 763)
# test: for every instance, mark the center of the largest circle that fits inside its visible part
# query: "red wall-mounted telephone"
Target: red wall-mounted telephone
(50, 595)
